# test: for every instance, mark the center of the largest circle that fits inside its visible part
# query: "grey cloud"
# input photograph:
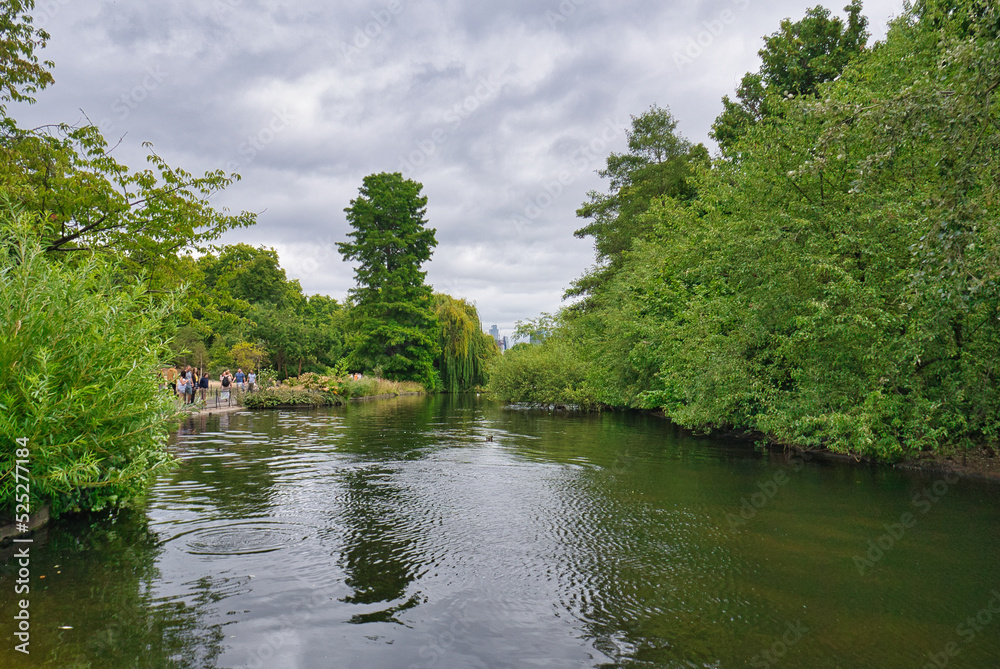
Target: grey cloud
(305, 98)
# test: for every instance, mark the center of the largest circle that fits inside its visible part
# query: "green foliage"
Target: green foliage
(659, 163)
(838, 284)
(795, 60)
(81, 198)
(466, 351)
(188, 348)
(248, 274)
(816, 49)
(536, 330)
(273, 398)
(392, 324)
(77, 195)
(21, 75)
(548, 373)
(267, 377)
(248, 356)
(80, 355)
(239, 295)
(318, 390)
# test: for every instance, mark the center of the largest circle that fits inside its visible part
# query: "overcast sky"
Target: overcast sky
(502, 110)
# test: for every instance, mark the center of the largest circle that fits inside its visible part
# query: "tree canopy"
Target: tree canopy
(466, 351)
(393, 325)
(21, 74)
(79, 197)
(660, 162)
(795, 60)
(835, 279)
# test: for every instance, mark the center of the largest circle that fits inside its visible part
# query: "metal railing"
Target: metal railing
(216, 397)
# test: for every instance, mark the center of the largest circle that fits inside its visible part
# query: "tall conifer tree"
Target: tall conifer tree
(394, 328)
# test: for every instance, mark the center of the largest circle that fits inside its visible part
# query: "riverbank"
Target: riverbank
(384, 396)
(974, 464)
(982, 463)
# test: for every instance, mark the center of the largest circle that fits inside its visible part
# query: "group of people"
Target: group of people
(242, 381)
(192, 379)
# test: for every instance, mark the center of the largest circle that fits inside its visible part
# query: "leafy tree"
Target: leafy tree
(188, 346)
(83, 199)
(393, 325)
(839, 284)
(549, 373)
(21, 75)
(466, 351)
(795, 60)
(659, 163)
(537, 330)
(78, 195)
(253, 275)
(248, 356)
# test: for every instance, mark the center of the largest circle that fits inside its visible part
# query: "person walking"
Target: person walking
(240, 379)
(188, 385)
(251, 380)
(227, 381)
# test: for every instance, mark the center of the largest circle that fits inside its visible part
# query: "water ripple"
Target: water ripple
(243, 538)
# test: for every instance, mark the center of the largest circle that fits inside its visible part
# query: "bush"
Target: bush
(80, 356)
(548, 373)
(272, 398)
(366, 386)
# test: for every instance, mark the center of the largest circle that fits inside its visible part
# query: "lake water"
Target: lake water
(396, 534)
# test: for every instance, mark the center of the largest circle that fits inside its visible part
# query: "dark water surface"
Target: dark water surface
(393, 534)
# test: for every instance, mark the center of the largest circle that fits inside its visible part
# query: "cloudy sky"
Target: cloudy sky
(502, 110)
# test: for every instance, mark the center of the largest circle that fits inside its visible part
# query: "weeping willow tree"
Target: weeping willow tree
(465, 349)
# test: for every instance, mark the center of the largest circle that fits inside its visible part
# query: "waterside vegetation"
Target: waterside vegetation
(314, 390)
(109, 275)
(832, 279)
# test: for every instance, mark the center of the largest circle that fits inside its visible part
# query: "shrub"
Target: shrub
(366, 386)
(272, 398)
(548, 373)
(79, 355)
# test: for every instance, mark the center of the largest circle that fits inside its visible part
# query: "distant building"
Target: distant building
(502, 342)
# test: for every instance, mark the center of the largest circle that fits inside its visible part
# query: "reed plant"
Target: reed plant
(79, 354)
